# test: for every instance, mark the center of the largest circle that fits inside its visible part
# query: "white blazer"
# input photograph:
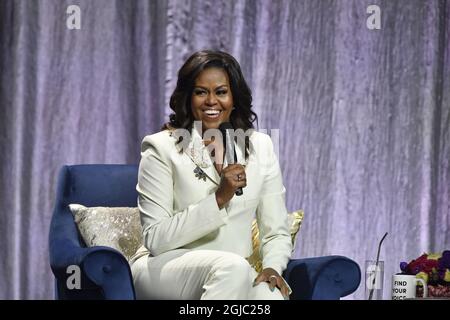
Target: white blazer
(179, 210)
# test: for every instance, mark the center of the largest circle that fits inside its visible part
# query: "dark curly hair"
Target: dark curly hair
(242, 117)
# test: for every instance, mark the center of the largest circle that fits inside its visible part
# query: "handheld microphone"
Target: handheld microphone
(228, 143)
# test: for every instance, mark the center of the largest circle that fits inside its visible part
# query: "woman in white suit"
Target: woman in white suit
(197, 231)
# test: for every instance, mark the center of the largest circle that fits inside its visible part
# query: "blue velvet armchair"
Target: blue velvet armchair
(105, 273)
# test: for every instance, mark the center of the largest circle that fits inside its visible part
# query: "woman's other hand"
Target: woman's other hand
(274, 279)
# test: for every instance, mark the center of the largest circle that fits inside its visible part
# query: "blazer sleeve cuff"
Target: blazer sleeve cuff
(277, 268)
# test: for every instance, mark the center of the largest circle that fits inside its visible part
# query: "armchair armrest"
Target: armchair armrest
(105, 273)
(322, 278)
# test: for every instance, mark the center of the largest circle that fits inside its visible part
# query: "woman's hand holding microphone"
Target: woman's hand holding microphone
(232, 178)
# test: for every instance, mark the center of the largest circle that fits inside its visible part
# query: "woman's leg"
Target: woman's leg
(192, 274)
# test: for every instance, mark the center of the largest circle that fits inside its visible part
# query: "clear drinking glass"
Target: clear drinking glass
(374, 280)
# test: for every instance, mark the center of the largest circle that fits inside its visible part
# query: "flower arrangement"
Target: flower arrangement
(434, 269)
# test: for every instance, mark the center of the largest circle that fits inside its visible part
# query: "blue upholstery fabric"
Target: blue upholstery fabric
(322, 278)
(105, 273)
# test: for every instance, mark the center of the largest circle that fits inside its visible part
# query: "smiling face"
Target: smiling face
(212, 100)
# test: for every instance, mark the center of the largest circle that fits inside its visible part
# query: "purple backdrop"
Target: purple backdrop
(363, 114)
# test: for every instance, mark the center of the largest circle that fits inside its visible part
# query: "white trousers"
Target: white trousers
(185, 274)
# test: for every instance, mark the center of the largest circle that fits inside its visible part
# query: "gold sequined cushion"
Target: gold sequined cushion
(294, 219)
(115, 227)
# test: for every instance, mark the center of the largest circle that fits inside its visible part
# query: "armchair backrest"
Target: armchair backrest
(92, 185)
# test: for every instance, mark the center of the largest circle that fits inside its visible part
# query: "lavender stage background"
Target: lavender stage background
(363, 114)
